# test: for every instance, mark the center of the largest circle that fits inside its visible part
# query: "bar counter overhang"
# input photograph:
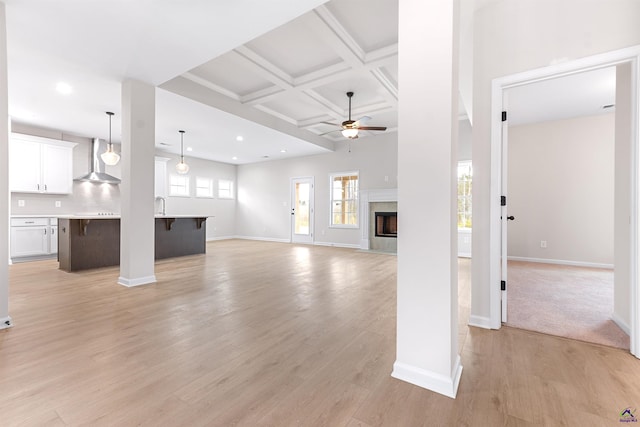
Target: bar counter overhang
(93, 241)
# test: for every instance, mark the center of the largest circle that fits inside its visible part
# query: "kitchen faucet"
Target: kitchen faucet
(164, 204)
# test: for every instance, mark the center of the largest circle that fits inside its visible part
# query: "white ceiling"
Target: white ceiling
(274, 72)
(581, 94)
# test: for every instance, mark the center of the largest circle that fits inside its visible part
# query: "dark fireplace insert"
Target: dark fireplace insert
(386, 224)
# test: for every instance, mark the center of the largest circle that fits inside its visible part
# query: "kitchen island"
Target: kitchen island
(93, 241)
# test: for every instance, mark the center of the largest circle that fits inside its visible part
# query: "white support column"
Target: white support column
(137, 226)
(427, 346)
(5, 320)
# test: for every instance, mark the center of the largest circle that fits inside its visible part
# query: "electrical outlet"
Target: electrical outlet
(21, 203)
(58, 203)
(543, 243)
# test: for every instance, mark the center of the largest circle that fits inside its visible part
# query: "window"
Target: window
(344, 199)
(225, 189)
(465, 174)
(179, 185)
(204, 187)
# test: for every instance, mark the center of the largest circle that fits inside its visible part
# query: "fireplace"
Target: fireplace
(386, 224)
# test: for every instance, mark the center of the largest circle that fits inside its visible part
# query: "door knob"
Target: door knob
(511, 217)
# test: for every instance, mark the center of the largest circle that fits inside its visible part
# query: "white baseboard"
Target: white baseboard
(479, 321)
(6, 322)
(213, 239)
(439, 383)
(561, 262)
(621, 323)
(337, 245)
(263, 239)
(129, 283)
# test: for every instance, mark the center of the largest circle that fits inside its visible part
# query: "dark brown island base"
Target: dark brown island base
(90, 242)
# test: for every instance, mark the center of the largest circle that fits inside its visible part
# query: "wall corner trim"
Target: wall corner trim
(130, 283)
(621, 323)
(480, 321)
(445, 385)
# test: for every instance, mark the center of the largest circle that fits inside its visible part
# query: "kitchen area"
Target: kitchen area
(65, 203)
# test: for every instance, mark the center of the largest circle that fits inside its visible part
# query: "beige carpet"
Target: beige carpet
(572, 302)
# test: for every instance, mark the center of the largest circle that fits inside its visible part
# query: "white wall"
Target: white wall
(560, 190)
(465, 136)
(622, 227)
(89, 197)
(515, 36)
(222, 212)
(264, 200)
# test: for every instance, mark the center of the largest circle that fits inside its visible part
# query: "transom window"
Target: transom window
(225, 189)
(179, 185)
(204, 187)
(344, 199)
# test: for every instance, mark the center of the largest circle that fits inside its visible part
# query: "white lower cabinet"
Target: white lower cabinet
(33, 237)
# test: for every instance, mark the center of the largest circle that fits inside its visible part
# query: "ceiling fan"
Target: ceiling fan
(350, 127)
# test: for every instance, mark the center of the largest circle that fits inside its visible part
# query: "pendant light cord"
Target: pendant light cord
(181, 146)
(110, 114)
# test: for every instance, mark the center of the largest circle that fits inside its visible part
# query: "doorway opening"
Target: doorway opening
(499, 208)
(302, 210)
(561, 194)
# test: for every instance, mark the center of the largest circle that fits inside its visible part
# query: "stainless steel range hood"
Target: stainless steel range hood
(96, 165)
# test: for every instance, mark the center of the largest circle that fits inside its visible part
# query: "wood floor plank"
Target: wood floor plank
(272, 334)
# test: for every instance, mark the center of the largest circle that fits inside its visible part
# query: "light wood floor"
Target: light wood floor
(259, 333)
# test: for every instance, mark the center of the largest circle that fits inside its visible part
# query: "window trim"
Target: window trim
(356, 200)
(188, 186)
(211, 188)
(231, 189)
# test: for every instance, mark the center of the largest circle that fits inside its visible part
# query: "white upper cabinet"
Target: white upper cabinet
(40, 165)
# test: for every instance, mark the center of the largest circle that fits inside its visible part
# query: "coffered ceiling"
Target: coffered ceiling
(295, 77)
(275, 73)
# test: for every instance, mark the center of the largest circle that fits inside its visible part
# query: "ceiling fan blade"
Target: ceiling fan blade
(362, 120)
(372, 128)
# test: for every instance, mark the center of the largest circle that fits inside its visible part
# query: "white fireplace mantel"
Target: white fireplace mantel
(366, 198)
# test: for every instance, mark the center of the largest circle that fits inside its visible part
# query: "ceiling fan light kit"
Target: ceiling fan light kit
(350, 128)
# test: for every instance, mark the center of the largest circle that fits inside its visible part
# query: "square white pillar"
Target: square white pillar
(5, 320)
(427, 332)
(137, 224)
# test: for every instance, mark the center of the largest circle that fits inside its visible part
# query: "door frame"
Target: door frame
(311, 207)
(628, 55)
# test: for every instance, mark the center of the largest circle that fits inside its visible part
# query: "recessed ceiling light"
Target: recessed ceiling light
(64, 88)
(234, 158)
(239, 138)
(189, 149)
(283, 151)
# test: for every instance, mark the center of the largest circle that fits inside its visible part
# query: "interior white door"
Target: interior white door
(302, 210)
(504, 209)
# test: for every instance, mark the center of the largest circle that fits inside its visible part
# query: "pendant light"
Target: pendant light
(110, 157)
(182, 167)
